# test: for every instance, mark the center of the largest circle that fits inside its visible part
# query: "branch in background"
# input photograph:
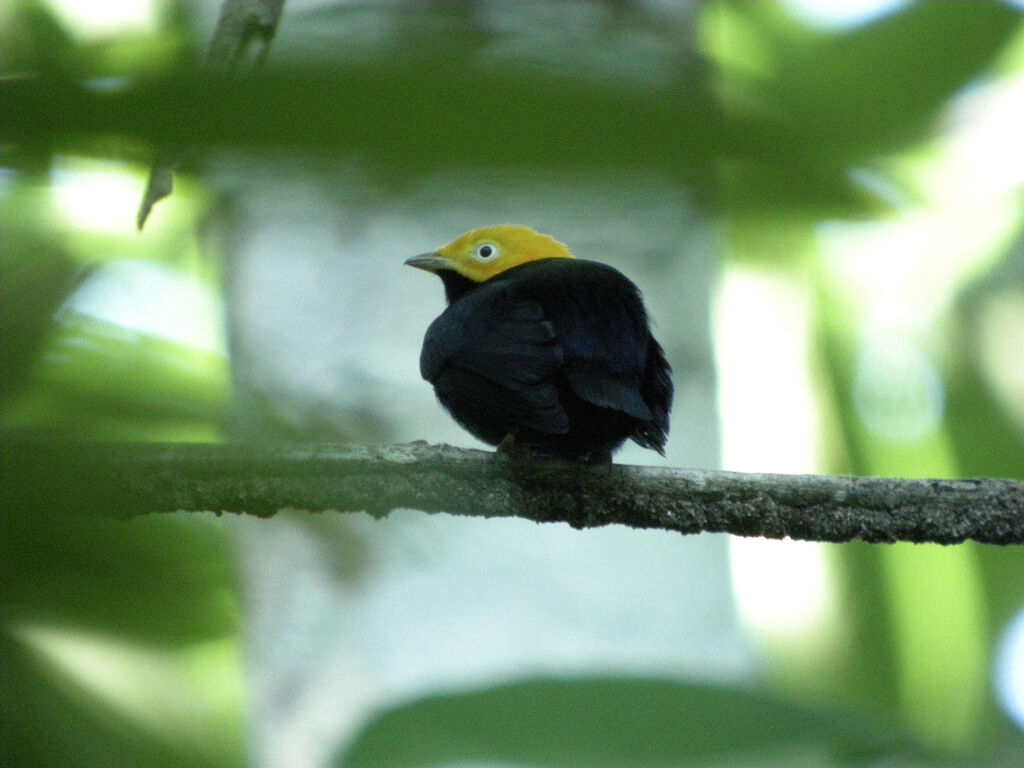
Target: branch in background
(241, 22)
(130, 479)
(159, 185)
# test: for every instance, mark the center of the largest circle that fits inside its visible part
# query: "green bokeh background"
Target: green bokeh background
(764, 121)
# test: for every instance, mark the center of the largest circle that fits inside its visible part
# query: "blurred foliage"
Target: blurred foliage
(772, 123)
(38, 274)
(613, 722)
(804, 109)
(103, 382)
(119, 641)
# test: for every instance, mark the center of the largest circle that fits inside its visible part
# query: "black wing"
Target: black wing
(603, 329)
(492, 360)
(610, 358)
(657, 391)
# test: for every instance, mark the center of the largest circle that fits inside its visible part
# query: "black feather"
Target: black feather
(558, 352)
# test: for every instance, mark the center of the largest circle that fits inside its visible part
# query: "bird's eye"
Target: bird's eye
(486, 252)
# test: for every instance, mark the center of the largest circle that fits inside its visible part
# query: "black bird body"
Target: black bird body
(556, 353)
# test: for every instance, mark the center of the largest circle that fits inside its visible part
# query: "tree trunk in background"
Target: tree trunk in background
(326, 326)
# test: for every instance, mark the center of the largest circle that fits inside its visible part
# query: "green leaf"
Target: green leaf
(606, 723)
(120, 640)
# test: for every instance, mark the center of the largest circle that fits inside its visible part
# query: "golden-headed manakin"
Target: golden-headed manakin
(541, 351)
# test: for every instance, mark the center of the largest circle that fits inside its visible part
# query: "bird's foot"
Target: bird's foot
(513, 450)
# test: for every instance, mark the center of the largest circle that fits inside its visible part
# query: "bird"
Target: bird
(540, 353)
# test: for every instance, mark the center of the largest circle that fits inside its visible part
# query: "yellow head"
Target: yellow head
(483, 253)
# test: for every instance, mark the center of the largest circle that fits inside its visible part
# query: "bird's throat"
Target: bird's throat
(455, 285)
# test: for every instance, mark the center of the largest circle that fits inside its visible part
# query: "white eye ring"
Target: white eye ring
(485, 252)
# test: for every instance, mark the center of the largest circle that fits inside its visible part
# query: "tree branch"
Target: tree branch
(241, 22)
(130, 479)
